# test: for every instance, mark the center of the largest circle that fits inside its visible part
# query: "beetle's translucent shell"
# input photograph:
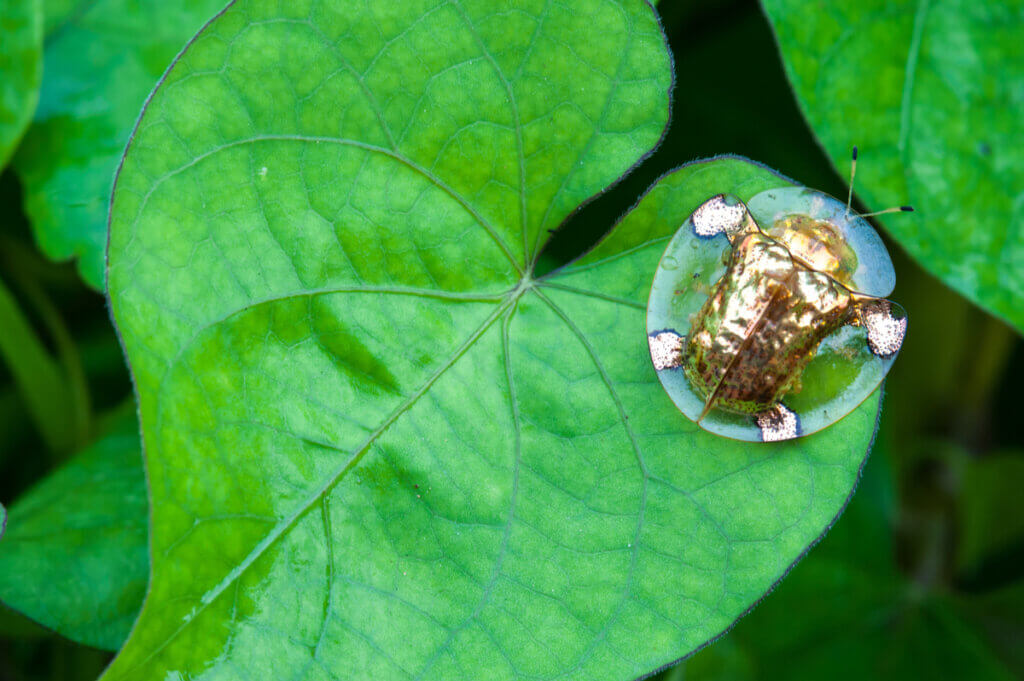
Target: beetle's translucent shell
(817, 234)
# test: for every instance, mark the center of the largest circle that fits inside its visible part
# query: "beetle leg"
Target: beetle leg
(718, 216)
(778, 423)
(885, 331)
(666, 349)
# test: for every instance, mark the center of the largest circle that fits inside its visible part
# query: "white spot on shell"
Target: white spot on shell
(885, 332)
(666, 349)
(715, 216)
(778, 423)
(263, 171)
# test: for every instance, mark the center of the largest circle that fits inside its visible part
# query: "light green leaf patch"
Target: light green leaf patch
(101, 59)
(377, 446)
(21, 26)
(74, 555)
(931, 92)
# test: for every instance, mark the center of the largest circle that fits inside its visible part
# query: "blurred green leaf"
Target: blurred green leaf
(374, 440)
(15, 625)
(847, 613)
(998, 616)
(990, 520)
(39, 378)
(49, 658)
(897, 640)
(101, 60)
(74, 557)
(21, 26)
(931, 92)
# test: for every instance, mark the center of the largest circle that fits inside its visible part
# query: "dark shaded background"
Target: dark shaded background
(919, 579)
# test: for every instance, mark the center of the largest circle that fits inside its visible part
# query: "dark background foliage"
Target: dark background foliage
(922, 577)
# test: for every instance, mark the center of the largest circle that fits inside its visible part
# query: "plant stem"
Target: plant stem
(36, 375)
(79, 407)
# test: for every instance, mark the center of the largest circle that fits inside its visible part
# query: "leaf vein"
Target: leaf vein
(286, 523)
(635, 546)
(514, 106)
(371, 148)
(499, 560)
(913, 53)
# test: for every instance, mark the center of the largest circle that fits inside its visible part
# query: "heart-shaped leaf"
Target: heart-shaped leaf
(21, 26)
(74, 556)
(102, 59)
(376, 444)
(931, 91)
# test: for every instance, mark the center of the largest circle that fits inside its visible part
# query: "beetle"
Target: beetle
(768, 320)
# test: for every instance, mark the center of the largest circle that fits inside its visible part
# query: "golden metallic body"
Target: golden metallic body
(765, 318)
(818, 245)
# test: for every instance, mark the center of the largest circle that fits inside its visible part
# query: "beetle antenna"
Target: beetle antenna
(897, 209)
(853, 172)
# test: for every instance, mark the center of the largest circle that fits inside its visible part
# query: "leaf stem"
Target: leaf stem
(79, 407)
(37, 377)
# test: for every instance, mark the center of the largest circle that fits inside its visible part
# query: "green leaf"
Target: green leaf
(847, 613)
(996, 615)
(21, 70)
(376, 444)
(930, 91)
(989, 519)
(74, 556)
(17, 626)
(101, 59)
(43, 386)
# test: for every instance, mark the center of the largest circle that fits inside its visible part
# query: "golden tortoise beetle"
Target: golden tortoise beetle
(790, 330)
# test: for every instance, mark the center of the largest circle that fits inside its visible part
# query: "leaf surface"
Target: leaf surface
(74, 555)
(848, 613)
(930, 90)
(21, 25)
(101, 59)
(377, 445)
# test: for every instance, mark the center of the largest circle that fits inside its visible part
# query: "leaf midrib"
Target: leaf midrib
(286, 524)
(624, 55)
(454, 296)
(508, 302)
(515, 118)
(644, 474)
(598, 636)
(513, 496)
